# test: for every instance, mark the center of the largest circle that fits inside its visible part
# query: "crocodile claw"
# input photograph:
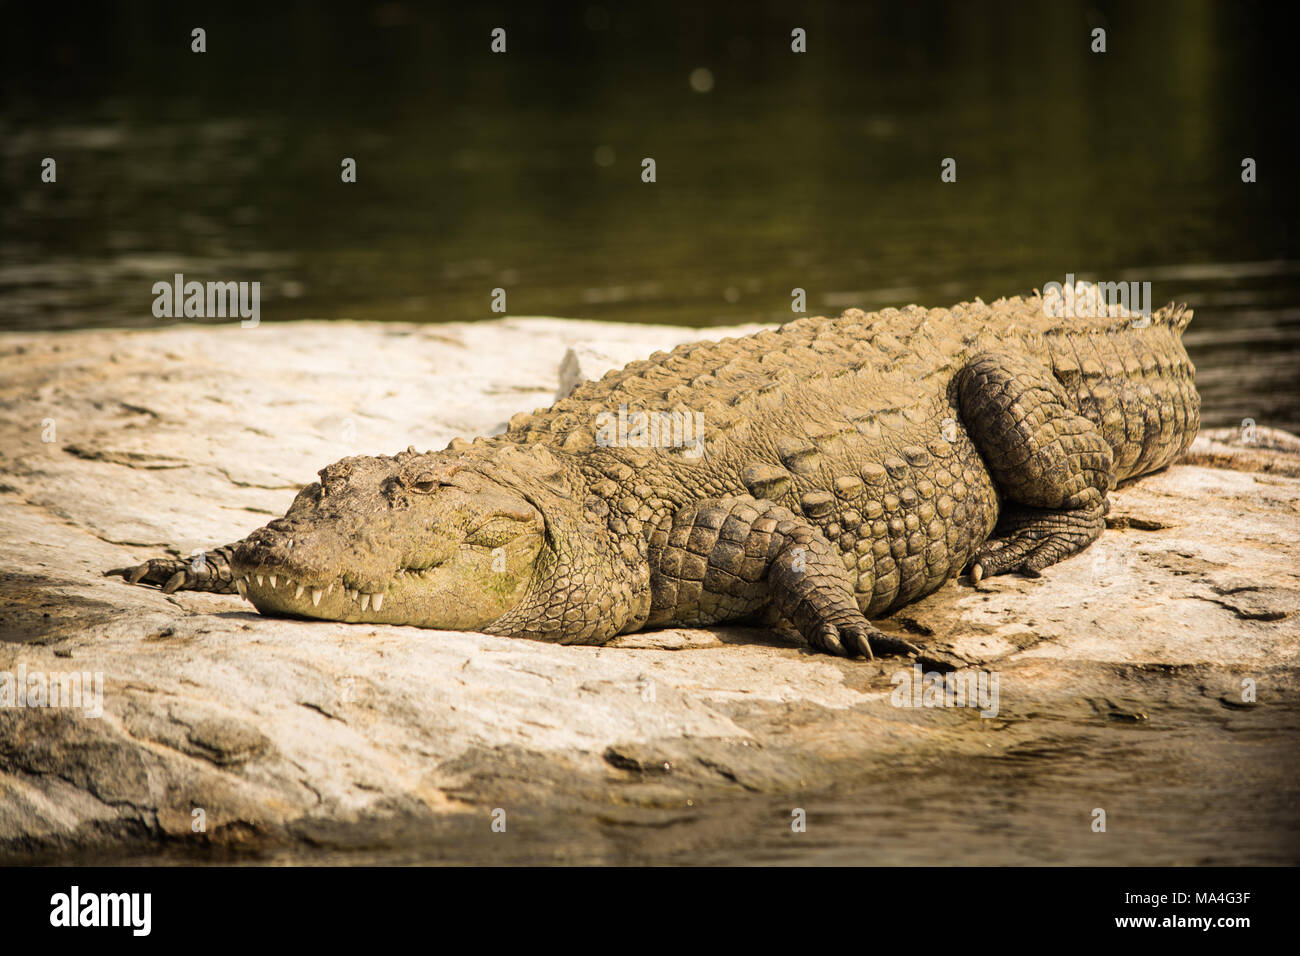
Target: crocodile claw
(169, 574)
(856, 640)
(869, 642)
(827, 639)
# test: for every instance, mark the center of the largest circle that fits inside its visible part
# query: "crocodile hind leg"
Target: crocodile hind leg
(725, 559)
(208, 571)
(1051, 465)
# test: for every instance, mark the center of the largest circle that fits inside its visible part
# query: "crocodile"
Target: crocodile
(805, 478)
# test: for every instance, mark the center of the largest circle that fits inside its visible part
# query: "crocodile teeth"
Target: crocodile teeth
(272, 582)
(377, 600)
(316, 596)
(330, 589)
(259, 580)
(365, 602)
(243, 588)
(298, 593)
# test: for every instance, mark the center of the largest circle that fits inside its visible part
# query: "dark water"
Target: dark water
(522, 170)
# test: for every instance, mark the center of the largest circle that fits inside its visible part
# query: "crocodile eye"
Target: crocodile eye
(426, 483)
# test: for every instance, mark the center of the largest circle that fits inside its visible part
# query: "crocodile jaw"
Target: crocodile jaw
(462, 599)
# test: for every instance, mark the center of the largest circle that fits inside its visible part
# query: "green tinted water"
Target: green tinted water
(522, 171)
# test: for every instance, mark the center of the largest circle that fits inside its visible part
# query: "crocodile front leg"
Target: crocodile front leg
(208, 571)
(724, 559)
(1052, 466)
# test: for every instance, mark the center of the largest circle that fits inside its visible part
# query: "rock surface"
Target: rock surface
(1172, 639)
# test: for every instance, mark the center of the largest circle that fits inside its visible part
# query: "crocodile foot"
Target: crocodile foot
(1034, 539)
(205, 571)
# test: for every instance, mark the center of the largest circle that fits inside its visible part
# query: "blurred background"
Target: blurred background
(775, 170)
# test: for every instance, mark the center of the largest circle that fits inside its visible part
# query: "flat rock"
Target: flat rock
(222, 728)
